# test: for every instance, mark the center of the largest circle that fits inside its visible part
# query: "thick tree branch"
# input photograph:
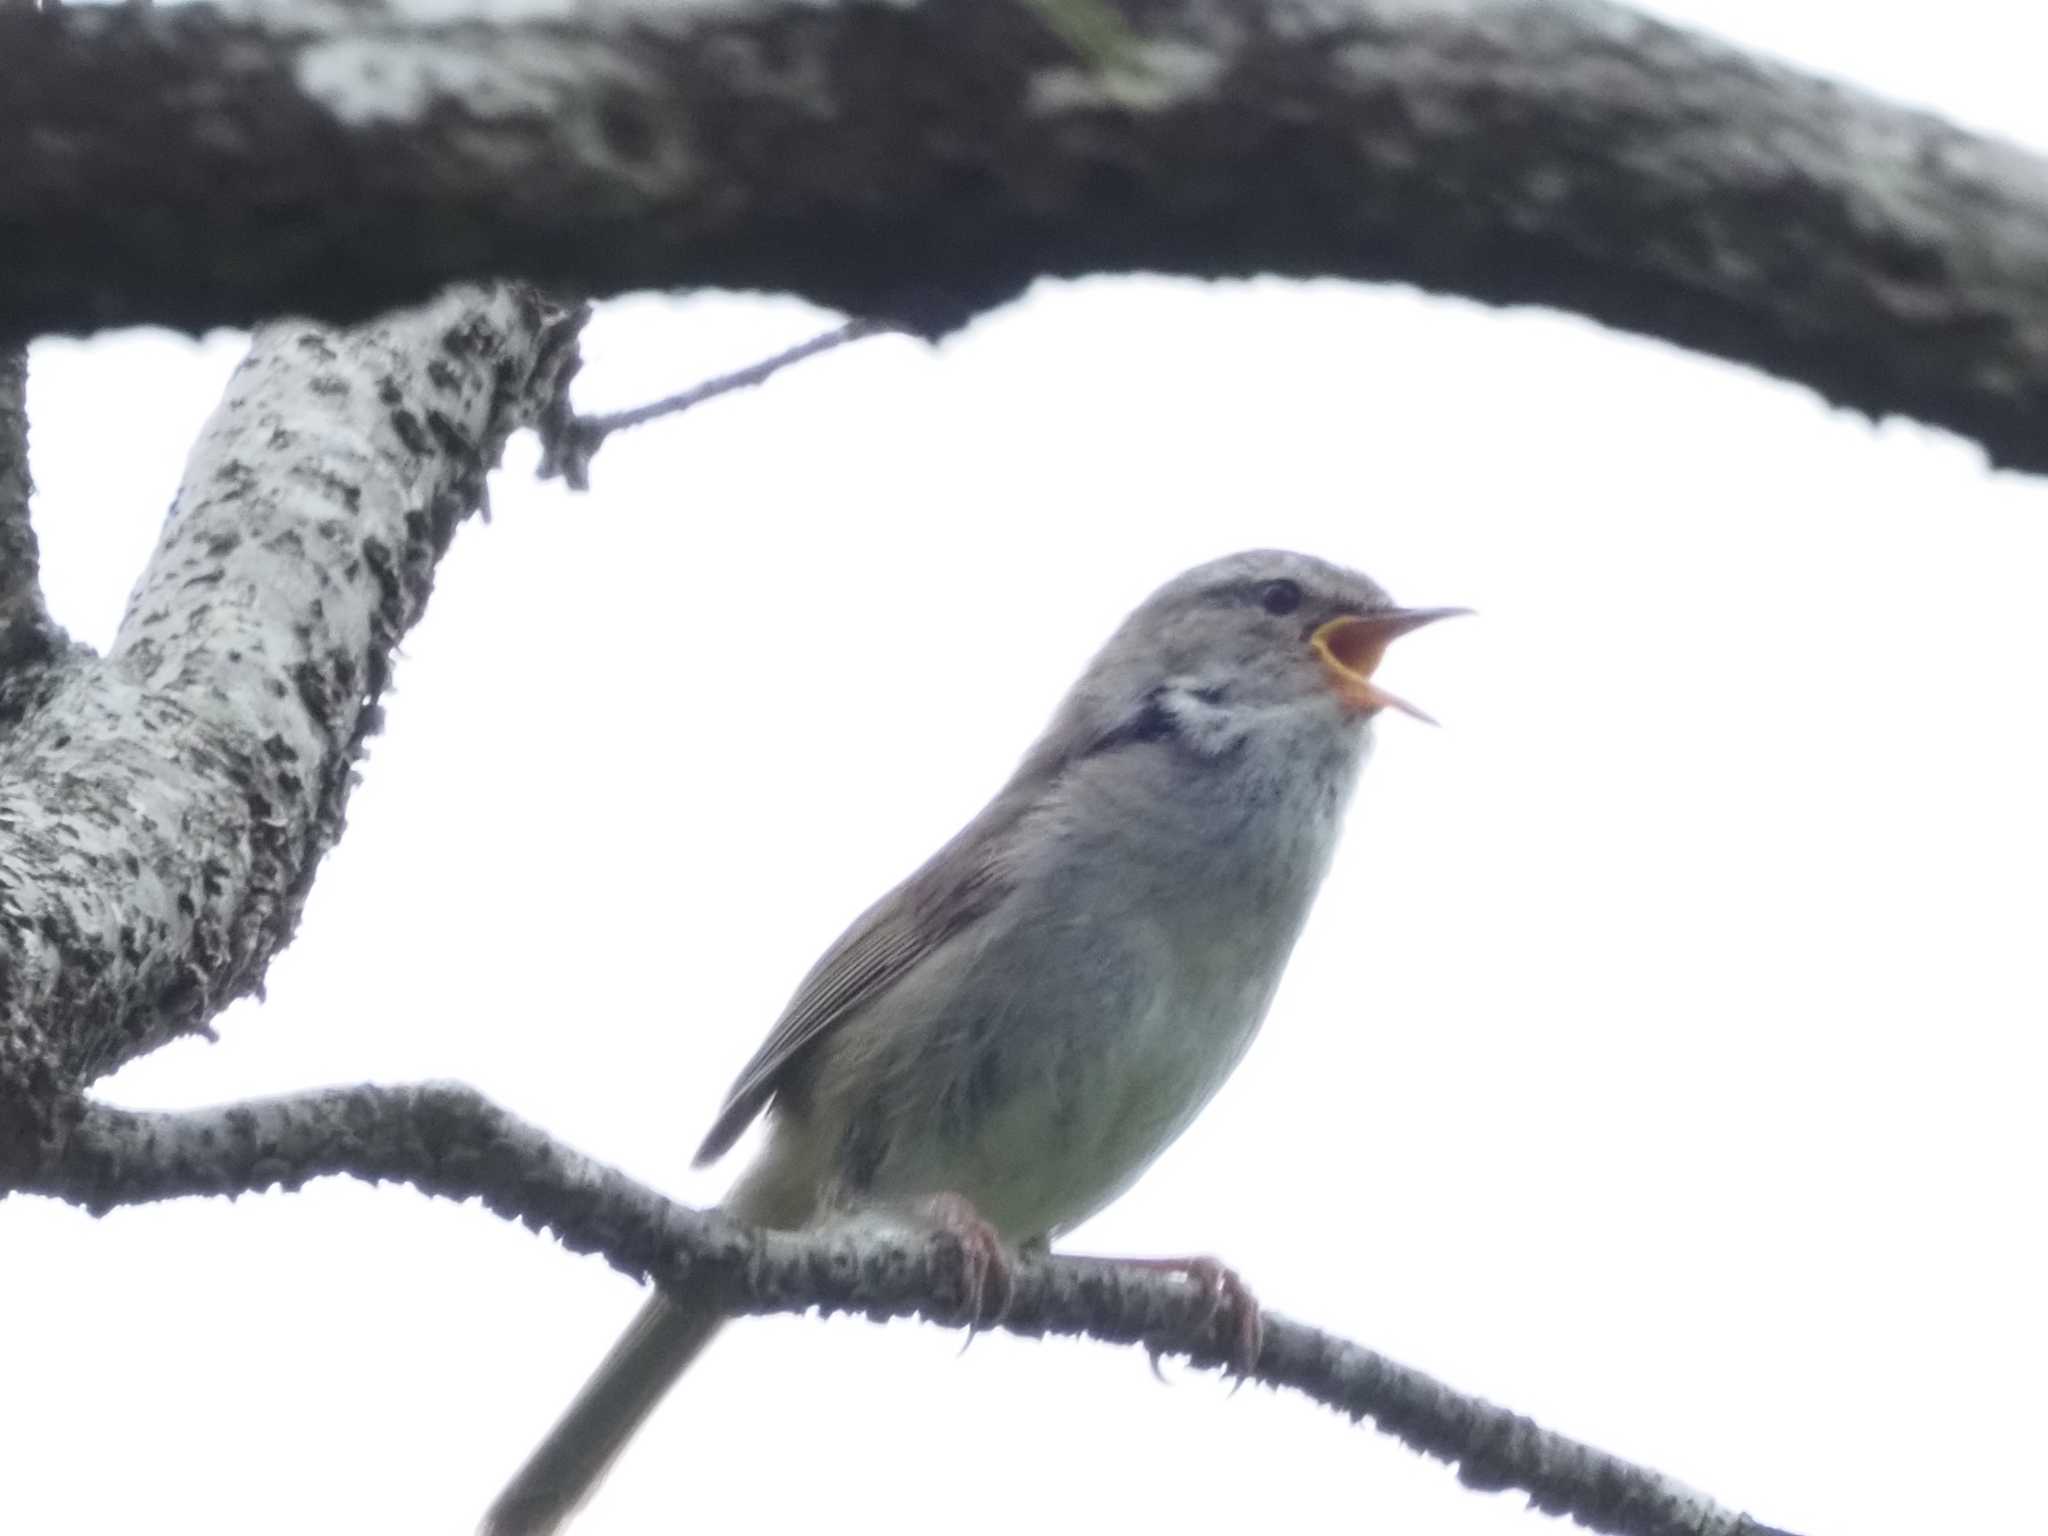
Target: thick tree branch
(27, 637)
(162, 812)
(923, 159)
(448, 1141)
(18, 559)
(28, 640)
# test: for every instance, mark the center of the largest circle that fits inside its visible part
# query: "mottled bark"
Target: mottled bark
(27, 637)
(163, 810)
(448, 1141)
(924, 159)
(18, 563)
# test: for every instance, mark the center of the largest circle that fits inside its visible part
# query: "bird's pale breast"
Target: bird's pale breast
(1058, 1053)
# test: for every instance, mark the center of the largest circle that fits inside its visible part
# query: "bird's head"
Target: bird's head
(1264, 629)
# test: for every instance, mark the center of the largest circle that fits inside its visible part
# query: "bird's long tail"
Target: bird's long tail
(667, 1334)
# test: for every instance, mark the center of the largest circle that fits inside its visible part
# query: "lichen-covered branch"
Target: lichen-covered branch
(920, 160)
(163, 810)
(447, 1140)
(25, 628)
(29, 641)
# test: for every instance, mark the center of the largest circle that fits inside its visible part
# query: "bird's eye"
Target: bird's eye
(1280, 597)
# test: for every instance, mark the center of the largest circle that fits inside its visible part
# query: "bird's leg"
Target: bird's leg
(1219, 1291)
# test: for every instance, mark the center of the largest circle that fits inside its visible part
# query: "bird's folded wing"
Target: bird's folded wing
(957, 888)
(961, 884)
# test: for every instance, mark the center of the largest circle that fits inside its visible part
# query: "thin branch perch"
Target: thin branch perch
(449, 1141)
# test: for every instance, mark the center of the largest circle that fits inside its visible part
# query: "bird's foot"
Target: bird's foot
(1220, 1293)
(985, 1281)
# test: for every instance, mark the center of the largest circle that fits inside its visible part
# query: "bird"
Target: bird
(1006, 1040)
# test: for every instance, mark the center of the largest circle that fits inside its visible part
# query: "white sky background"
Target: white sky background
(1662, 1059)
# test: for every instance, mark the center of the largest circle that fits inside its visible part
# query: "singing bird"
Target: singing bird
(1006, 1040)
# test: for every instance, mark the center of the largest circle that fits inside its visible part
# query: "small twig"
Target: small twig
(448, 1140)
(570, 443)
(743, 378)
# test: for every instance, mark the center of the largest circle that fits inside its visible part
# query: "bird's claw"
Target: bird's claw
(1153, 1355)
(1218, 1292)
(985, 1281)
(1221, 1291)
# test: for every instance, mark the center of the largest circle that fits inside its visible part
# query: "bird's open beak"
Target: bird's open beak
(1351, 648)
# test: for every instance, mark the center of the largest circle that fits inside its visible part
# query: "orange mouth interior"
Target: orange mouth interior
(1351, 648)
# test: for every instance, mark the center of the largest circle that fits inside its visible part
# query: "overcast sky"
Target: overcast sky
(1662, 1060)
